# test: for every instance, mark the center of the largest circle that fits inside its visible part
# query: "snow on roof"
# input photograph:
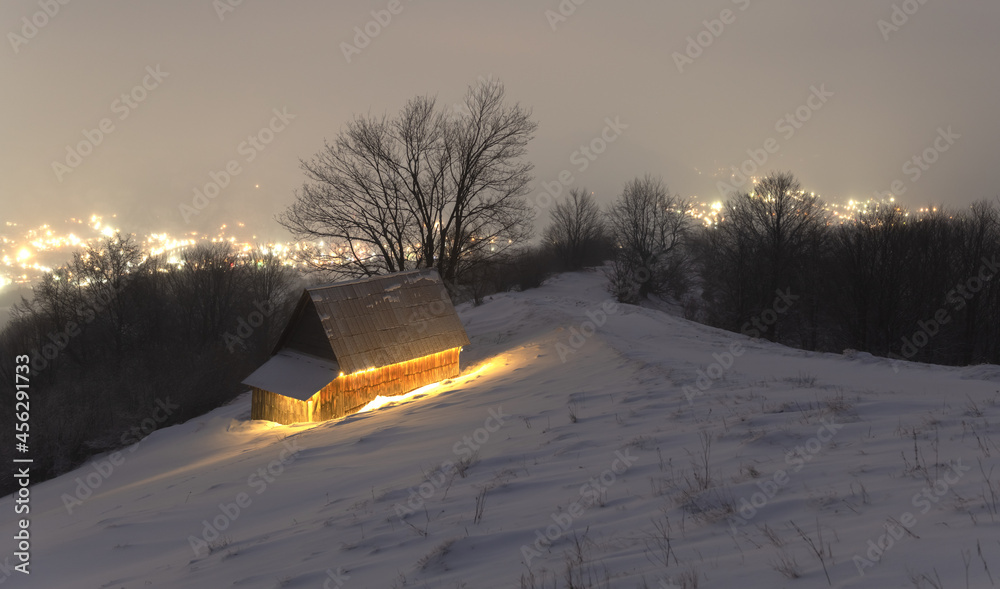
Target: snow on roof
(294, 375)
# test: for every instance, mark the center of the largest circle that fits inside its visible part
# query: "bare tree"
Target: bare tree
(418, 190)
(776, 230)
(208, 287)
(104, 272)
(781, 217)
(870, 252)
(576, 233)
(270, 282)
(649, 226)
(981, 241)
(268, 278)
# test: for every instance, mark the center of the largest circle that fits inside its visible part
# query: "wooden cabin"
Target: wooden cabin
(349, 342)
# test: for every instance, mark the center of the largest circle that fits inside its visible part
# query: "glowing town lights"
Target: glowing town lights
(25, 253)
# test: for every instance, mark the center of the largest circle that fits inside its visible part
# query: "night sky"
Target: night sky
(175, 90)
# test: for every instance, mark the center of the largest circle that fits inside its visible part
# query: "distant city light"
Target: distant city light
(26, 254)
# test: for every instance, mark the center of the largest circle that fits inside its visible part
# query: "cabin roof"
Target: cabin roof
(374, 322)
(387, 319)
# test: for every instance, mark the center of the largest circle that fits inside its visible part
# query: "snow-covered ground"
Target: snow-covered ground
(569, 453)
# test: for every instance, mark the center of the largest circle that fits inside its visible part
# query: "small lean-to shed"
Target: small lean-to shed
(349, 342)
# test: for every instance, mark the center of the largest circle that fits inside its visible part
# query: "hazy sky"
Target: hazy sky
(892, 89)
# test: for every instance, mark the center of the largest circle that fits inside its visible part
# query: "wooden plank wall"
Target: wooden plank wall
(348, 394)
(275, 407)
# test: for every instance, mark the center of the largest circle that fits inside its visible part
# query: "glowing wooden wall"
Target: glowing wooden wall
(349, 393)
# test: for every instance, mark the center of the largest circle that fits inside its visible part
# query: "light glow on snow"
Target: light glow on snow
(424, 391)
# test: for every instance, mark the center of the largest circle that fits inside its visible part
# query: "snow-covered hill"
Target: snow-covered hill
(586, 444)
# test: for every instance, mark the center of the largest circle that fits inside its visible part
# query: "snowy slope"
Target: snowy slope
(594, 471)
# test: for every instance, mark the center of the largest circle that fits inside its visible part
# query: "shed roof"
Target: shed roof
(383, 320)
(388, 319)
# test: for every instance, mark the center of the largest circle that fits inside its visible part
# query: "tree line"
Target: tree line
(919, 286)
(123, 344)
